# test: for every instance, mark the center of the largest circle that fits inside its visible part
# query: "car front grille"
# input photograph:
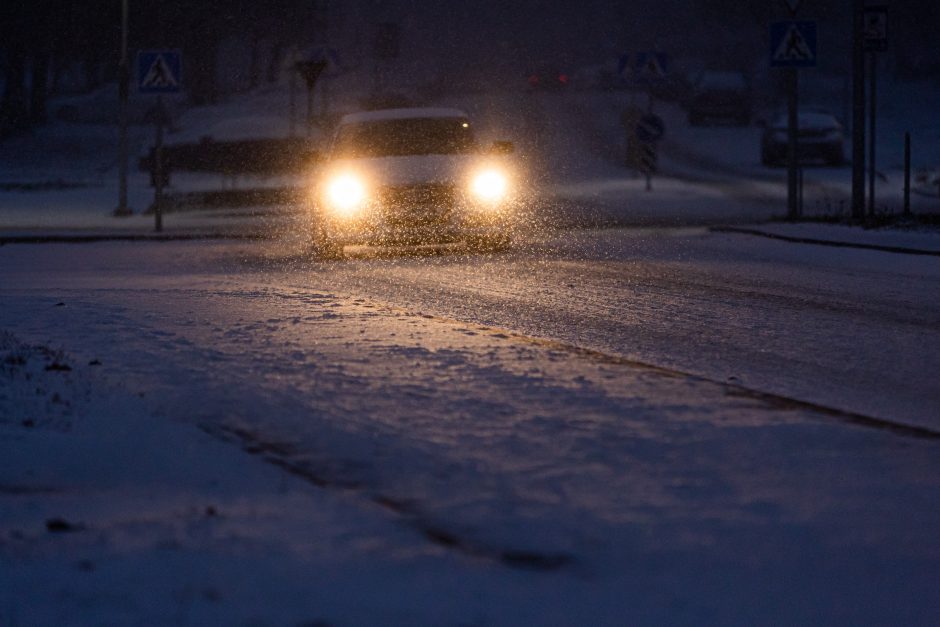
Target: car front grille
(418, 204)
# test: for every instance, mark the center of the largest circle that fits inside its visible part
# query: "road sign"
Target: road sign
(650, 128)
(793, 44)
(650, 67)
(876, 28)
(159, 72)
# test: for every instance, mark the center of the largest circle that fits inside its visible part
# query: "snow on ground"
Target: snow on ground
(240, 440)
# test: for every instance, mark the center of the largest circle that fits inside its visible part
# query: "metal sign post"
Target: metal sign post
(159, 72)
(649, 129)
(793, 159)
(159, 177)
(793, 46)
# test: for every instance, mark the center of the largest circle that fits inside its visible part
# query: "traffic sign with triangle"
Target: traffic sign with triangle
(793, 44)
(158, 72)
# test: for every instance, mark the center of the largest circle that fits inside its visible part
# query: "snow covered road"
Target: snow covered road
(583, 424)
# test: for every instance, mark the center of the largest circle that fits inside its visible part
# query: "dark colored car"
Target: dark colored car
(548, 78)
(820, 138)
(720, 96)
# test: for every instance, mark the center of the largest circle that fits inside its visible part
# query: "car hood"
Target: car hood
(410, 169)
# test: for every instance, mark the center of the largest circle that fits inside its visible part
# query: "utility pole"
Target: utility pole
(124, 79)
(858, 110)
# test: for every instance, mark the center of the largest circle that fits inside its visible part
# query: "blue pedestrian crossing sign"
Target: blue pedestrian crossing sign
(793, 44)
(159, 72)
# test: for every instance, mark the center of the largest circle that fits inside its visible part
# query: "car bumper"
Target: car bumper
(379, 224)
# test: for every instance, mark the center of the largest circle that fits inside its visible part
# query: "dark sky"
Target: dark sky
(523, 33)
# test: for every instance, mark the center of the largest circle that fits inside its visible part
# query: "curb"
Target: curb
(824, 242)
(129, 237)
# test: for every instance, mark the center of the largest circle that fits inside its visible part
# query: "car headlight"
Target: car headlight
(345, 194)
(489, 186)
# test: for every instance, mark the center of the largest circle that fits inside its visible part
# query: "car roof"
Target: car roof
(401, 114)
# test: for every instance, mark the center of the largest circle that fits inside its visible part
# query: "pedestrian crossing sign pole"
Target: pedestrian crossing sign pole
(792, 47)
(159, 72)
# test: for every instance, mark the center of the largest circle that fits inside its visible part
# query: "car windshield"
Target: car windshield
(401, 137)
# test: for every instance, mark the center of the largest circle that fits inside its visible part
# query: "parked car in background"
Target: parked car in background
(548, 78)
(820, 138)
(720, 97)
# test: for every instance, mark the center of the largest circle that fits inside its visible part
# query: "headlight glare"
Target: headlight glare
(345, 193)
(490, 186)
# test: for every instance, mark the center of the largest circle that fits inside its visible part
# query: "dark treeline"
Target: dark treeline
(49, 47)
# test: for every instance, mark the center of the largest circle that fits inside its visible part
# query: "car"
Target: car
(548, 78)
(820, 137)
(720, 96)
(413, 176)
